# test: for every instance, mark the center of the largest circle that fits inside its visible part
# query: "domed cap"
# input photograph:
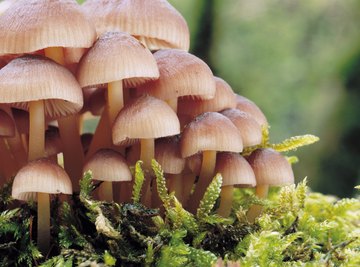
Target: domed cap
(31, 78)
(180, 74)
(155, 23)
(271, 168)
(30, 25)
(7, 125)
(210, 131)
(167, 154)
(108, 165)
(143, 118)
(41, 176)
(224, 98)
(250, 130)
(235, 170)
(248, 106)
(117, 56)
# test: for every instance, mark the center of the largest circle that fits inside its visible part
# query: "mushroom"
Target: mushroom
(116, 59)
(181, 74)
(35, 182)
(43, 87)
(271, 169)
(209, 133)
(145, 118)
(235, 171)
(53, 144)
(156, 23)
(108, 166)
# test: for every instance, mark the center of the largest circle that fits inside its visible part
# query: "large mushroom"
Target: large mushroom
(35, 182)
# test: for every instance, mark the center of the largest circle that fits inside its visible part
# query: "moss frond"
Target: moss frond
(295, 142)
(138, 182)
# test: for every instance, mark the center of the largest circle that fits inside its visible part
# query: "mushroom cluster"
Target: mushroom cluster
(126, 62)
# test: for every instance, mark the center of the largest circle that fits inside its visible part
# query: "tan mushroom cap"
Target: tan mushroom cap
(248, 106)
(235, 170)
(271, 168)
(32, 78)
(210, 131)
(117, 56)
(224, 98)
(30, 25)
(249, 128)
(181, 74)
(194, 163)
(155, 23)
(41, 176)
(108, 165)
(145, 118)
(7, 125)
(167, 154)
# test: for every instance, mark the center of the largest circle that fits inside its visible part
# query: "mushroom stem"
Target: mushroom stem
(115, 100)
(37, 130)
(106, 191)
(43, 225)
(176, 185)
(173, 103)
(206, 174)
(254, 211)
(188, 184)
(147, 153)
(226, 201)
(69, 133)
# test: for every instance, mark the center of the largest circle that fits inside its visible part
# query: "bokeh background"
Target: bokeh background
(300, 62)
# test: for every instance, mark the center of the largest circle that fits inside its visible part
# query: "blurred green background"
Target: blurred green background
(300, 62)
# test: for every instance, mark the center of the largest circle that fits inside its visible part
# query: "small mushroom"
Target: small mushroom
(35, 182)
(271, 169)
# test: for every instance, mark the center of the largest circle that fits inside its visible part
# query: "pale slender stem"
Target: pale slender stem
(43, 225)
(37, 130)
(115, 100)
(106, 191)
(206, 175)
(173, 103)
(226, 201)
(72, 148)
(254, 211)
(176, 185)
(100, 139)
(69, 133)
(147, 153)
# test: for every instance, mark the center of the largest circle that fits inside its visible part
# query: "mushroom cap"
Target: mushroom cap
(224, 98)
(235, 170)
(194, 163)
(7, 125)
(145, 118)
(271, 168)
(32, 78)
(249, 128)
(167, 154)
(117, 56)
(108, 165)
(30, 25)
(53, 143)
(155, 23)
(181, 74)
(21, 118)
(41, 176)
(210, 131)
(248, 106)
